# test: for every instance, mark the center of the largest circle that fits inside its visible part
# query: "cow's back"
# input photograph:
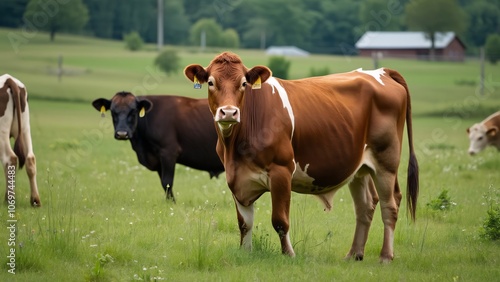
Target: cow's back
(341, 112)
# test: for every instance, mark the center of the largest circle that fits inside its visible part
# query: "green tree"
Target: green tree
(101, 17)
(434, 16)
(377, 15)
(492, 48)
(14, 16)
(175, 23)
(212, 30)
(484, 19)
(52, 16)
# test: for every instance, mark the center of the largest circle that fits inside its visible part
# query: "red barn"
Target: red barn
(413, 45)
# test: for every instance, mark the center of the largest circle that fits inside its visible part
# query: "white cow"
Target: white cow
(484, 134)
(15, 122)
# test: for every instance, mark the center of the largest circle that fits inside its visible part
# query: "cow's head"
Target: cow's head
(227, 80)
(126, 109)
(480, 136)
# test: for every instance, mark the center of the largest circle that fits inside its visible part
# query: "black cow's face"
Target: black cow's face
(126, 109)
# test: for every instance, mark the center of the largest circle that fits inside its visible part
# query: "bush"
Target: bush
(491, 225)
(168, 61)
(442, 203)
(280, 66)
(230, 38)
(319, 71)
(492, 48)
(133, 41)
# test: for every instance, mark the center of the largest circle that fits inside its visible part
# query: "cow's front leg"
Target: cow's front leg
(167, 176)
(281, 188)
(245, 223)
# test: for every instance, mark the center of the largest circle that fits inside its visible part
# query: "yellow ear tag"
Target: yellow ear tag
(103, 110)
(257, 84)
(197, 84)
(142, 112)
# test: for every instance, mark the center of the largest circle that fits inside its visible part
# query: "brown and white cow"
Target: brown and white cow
(311, 136)
(165, 130)
(485, 133)
(15, 122)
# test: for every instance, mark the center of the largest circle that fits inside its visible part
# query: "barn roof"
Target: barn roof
(286, 51)
(403, 40)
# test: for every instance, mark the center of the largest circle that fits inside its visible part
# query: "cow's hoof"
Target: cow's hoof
(352, 256)
(35, 202)
(386, 259)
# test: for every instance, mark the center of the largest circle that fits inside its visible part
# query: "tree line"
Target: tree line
(318, 26)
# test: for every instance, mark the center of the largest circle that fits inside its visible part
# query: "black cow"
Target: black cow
(165, 130)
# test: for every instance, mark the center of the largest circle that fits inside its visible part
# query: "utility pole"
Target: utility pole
(481, 73)
(160, 24)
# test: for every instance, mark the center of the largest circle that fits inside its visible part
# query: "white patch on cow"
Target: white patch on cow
(4, 78)
(289, 245)
(301, 176)
(247, 214)
(374, 73)
(284, 98)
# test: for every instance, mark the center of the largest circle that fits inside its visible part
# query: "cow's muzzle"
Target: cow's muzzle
(122, 135)
(227, 115)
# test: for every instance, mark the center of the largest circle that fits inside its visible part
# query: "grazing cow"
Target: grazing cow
(15, 122)
(311, 136)
(165, 130)
(484, 134)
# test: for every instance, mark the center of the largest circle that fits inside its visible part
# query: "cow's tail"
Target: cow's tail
(412, 177)
(19, 143)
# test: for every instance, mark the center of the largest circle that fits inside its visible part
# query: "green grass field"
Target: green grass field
(104, 216)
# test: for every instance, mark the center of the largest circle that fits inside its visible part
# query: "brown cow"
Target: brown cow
(485, 133)
(15, 122)
(311, 136)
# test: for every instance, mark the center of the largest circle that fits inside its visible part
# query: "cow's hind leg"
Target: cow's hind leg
(390, 197)
(365, 200)
(30, 158)
(31, 170)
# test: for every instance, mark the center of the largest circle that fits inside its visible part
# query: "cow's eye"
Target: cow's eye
(210, 83)
(244, 84)
(480, 138)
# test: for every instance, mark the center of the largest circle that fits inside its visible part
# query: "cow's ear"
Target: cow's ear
(468, 130)
(492, 131)
(102, 105)
(257, 73)
(144, 106)
(196, 73)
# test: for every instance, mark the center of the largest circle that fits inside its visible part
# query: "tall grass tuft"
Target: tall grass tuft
(491, 225)
(58, 228)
